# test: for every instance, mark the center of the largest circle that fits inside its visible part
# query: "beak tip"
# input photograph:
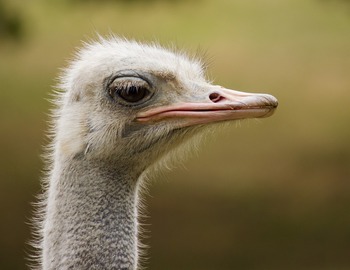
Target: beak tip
(271, 100)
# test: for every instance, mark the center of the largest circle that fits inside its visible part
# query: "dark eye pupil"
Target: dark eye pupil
(132, 93)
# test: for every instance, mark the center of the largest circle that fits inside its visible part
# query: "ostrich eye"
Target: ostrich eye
(129, 90)
(132, 93)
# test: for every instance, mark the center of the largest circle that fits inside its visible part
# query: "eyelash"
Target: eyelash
(130, 92)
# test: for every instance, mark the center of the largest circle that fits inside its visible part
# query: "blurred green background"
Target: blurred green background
(266, 194)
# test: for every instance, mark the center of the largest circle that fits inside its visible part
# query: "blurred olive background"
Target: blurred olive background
(261, 194)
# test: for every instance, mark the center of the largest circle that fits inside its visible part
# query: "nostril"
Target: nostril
(215, 97)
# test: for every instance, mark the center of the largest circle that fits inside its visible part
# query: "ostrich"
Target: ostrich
(123, 110)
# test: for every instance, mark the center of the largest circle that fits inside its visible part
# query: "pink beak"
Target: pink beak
(222, 105)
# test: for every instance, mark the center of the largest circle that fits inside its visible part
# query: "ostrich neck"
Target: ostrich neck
(91, 218)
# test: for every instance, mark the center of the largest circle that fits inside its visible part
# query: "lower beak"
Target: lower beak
(222, 105)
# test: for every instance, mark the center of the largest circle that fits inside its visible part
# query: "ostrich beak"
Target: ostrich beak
(222, 105)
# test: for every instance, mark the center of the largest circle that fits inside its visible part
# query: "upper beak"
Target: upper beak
(222, 105)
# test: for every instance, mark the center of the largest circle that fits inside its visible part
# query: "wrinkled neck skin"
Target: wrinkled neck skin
(91, 217)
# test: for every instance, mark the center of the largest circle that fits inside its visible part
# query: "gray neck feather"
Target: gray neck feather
(91, 218)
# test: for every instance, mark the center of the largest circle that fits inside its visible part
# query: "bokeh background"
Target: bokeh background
(267, 194)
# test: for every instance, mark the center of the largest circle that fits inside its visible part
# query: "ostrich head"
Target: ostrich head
(138, 102)
(123, 107)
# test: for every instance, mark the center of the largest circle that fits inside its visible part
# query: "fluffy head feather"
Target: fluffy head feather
(90, 123)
